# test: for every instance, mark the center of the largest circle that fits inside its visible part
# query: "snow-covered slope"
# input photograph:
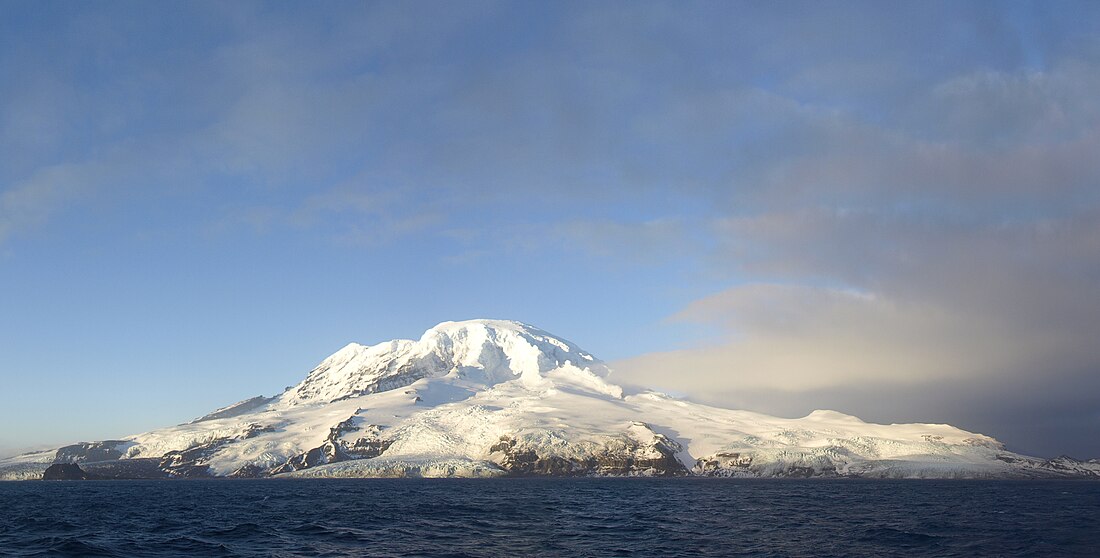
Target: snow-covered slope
(490, 398)
(479, 352)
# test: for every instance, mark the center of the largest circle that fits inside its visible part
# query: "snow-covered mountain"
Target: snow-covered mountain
(492, 398)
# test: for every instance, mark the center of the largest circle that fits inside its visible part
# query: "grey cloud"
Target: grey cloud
(937, 263)
(1017, 362)
(981, 303)
(825, 158)
(794, 339)
(1043, 414)
(920, 255)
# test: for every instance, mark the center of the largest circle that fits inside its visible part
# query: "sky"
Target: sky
(890, 209)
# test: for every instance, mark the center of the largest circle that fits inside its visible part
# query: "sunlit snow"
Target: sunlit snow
(468, 396)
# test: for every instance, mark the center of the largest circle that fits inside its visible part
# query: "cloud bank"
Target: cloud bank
(943, 267)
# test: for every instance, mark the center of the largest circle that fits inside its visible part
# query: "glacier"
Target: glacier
(489, 398)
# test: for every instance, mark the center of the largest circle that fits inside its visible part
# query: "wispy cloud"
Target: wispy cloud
(31, 202)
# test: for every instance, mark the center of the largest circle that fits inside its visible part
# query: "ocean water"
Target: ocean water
(550, 517)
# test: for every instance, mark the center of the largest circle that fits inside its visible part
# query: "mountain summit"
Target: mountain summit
(479, 353)
(492, 398)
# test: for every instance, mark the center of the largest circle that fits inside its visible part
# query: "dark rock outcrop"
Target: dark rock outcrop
(797, 465)
(325, 453)
(64, 471)
(1070, 467)
(249, 471)
(192, 462)
(366, 448)
(622, 457)
(720, 463)
(334, 449)
(129, 469)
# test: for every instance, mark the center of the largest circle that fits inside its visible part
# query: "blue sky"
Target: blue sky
(887, 209)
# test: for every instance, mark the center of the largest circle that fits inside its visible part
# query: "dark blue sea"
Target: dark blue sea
(550, 517)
